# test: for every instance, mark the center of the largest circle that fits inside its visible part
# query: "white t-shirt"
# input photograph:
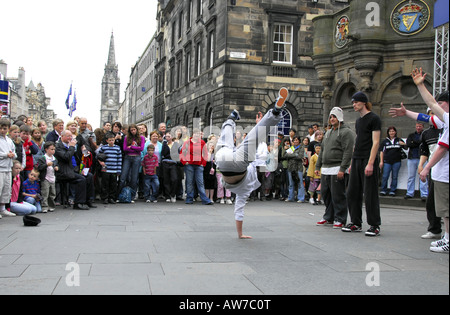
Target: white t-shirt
(440, 172)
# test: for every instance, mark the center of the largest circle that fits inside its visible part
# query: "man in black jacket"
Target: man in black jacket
(83, 185)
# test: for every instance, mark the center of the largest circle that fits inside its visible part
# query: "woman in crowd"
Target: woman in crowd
(390, 160)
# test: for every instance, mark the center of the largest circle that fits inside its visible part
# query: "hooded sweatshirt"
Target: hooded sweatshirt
(337, 148)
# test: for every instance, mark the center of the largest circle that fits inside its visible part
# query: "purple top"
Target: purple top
(133, 150)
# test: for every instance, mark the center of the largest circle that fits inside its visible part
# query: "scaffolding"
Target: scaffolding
(441, 64)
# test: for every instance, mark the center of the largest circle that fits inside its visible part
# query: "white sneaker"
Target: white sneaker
(444, 249)
(51, 209)
(430, 235)
(311, 201)
(229, 202)
(6, 213)
(173, 199)
(440, 243)
(168, 200)
(222, 201)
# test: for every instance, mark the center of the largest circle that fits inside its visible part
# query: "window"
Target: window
(199, 8)
(286, 123)
(180, 25)
(198, 59)
(188, 66)
(283, 43)
(211, 49)
(190, 9)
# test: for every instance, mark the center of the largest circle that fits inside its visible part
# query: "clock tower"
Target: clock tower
(109, 111)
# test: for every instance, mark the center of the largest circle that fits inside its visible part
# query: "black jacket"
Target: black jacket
(42, 167)
(64, 156)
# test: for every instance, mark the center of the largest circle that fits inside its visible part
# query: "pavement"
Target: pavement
(179, 249)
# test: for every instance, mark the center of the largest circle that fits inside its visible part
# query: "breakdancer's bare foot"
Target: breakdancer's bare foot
(245, 237)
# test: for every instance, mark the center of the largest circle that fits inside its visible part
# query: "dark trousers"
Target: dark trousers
(83, 187)
(109, 186)
(170, 175)
(360, 186)
(333, 192)
(435, 225)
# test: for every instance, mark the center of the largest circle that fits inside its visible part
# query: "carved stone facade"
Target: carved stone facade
(38, 104)
(364, 48)
(216, 56)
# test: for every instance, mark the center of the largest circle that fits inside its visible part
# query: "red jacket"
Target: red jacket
(193, 153)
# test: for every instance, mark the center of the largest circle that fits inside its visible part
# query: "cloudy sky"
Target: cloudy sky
(60, 42)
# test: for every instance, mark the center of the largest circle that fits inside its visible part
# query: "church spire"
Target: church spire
(112, 52)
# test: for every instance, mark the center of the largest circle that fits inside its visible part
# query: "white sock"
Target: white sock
(446, 236)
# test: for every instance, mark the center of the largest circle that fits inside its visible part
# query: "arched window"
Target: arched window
(286, 123)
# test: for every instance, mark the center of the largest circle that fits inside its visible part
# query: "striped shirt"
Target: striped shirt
(150, 163)
(31, 188)
(113, 158)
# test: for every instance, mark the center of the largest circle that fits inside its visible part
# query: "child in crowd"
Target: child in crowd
(32, 190)
(7, 155)
(17, 204)
(14, 134)
(151, 181)
(47, 166)
(314, 183)
(29, 147)
(209, 172)
(111, 167)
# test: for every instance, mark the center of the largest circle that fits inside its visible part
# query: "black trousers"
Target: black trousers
(361, 187)
(83, 187)
(170, 175)
(109, 186)
(333, 192)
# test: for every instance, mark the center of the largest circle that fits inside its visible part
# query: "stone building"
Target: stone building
(139, 102)
(373, 47)
(109, 110)
(17, 95)
(38, 104)
(214, 56)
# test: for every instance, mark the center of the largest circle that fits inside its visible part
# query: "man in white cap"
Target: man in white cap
(333, 162)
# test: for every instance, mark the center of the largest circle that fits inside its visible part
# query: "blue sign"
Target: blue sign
(4, 90)
(441, 13)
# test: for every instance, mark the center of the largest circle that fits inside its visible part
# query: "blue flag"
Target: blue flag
(74, 101)
(68, 97)
(73, 106)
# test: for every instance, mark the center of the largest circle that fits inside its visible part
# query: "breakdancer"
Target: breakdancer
(238, 164)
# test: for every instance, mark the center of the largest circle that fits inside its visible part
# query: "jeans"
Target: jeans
(33, 202)
(194, 175)
(130, 169)
(412, 175)
(387, 169)
(151, 182)
(301, 188)
(23, 208)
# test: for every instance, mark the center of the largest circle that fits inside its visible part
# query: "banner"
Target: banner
(4, 91)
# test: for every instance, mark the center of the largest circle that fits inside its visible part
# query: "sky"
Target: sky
(60, 42)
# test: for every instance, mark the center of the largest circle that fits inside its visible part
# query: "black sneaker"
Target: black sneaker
(373, 231)
(351, 228)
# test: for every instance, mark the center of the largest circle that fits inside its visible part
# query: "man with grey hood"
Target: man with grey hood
(334, 160)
